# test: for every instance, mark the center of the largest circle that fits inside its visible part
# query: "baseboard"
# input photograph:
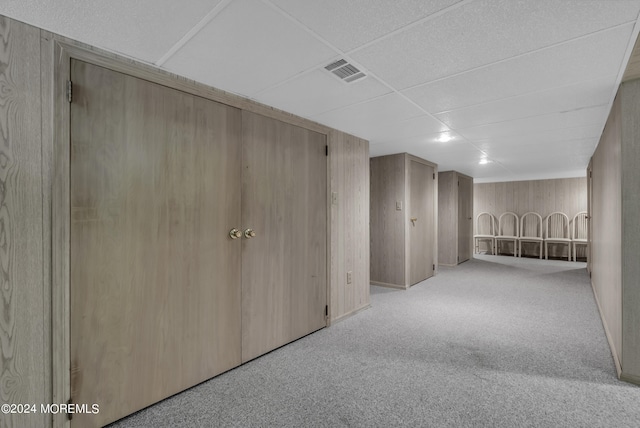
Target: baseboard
(630, 378)
(614, 353)
(349, 314)
(386, 284)
(448, 265)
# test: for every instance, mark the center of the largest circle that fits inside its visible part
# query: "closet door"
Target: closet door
(465, 218)
(284, 201)
(155, 276)
(421, 221)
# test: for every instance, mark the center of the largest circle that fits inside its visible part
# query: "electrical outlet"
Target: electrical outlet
(349, 275)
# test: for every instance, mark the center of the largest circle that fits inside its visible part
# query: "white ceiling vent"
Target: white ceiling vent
(346, 72)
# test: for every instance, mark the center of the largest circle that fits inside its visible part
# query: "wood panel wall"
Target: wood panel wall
(33, 367)
(567, 195)
(606, 273)
(388, 252)
(630, 159)
(349, 188)
(452, 233)
(447, 218)
(616, 230)
(24, 263)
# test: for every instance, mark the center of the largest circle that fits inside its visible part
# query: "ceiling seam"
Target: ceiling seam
(470, 70)
(411, 25)
(533, 116)
(193, 32)
(554, 88)
(368, 72)
(340, 52)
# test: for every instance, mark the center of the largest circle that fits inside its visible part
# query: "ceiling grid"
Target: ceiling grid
(526, 84)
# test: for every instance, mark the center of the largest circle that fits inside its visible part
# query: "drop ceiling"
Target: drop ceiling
(525, 84)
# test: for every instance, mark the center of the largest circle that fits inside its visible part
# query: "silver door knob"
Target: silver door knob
(249, 233)
(235, 233)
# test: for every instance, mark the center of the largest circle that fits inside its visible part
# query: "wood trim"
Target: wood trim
(115, 62)
(351, 313)
(47, 129)
(614, 353)
(449, 265)
(629, 378)
(387, 285)
(60, 221)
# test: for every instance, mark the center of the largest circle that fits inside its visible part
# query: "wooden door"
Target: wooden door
(465, 218)
(155, 277)
(284, 200)
(421, 220)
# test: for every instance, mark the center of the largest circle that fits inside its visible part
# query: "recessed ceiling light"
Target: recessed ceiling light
(484, 161)
(445, 138)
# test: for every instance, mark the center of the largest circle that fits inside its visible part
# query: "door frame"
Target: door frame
(64, 50)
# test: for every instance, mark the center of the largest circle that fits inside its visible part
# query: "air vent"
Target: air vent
(346, 72)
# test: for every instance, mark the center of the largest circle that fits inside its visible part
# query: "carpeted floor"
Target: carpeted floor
(494, 342)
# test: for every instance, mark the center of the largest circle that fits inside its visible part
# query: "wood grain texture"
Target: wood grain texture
(432, 211)
(349, 179)
(63, 50)
(447, 218)
(465, 217)
(630, 159)
(422, 231)
(59, 71)
(387, 223)
(126, 65)
(391, 229)
(155, 297)
(455, 222)
(284, 199)
(568, 195)
(589, 211)
(47, 85)
(606, 273)
(23, 288)
(633, 66)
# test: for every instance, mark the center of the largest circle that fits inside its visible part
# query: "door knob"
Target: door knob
(249, 233)
(413, 220)
(235, 233)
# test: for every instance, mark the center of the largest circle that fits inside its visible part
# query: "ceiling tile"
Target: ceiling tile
(563, 99)
(566, 148)
(142, 29)
(322, 92)
(349, 24)
(240, 52)
(584, 117)
(483, 32)
(428, 144)
(369, 118)
(416, 126)
(585, 59)
(554, 136)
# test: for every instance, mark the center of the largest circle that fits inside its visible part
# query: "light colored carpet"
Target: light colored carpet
(494, 342)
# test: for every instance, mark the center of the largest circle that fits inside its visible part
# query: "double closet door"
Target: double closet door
(162, 297)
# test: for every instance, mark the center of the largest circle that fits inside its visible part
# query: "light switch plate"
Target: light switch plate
(334, 198)
(399, 205)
